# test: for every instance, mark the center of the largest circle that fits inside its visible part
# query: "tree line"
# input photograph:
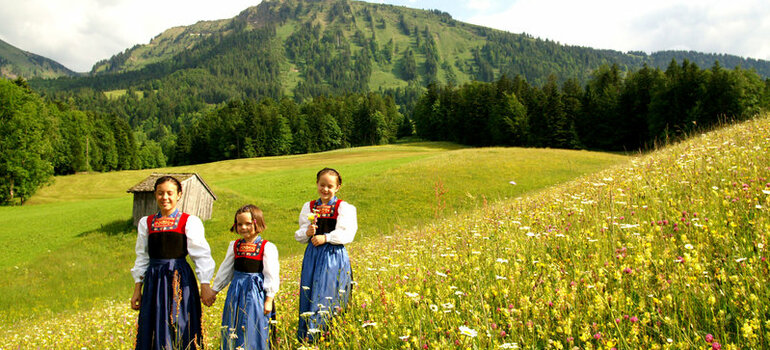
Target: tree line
(613, 111)
(42, 138)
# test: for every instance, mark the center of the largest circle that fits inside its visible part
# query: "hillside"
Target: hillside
(15, 62)
(665, 251)
(306, 48)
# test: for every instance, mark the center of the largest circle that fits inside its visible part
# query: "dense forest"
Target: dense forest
(293, 76)
(614, 111)
(44, 138)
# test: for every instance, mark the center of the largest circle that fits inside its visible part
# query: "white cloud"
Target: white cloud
(77, 33)
(735, 27)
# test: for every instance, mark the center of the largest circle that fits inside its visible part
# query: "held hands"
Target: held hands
(136, 299)
(268, 305)
(208, 295)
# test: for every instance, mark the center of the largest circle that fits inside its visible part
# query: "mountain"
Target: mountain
(307, 48)
(15, 62)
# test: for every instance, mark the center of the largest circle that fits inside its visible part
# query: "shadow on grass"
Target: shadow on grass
(409, 142)
(117, 227)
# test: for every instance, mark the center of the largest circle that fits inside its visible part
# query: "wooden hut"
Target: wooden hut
(197, 198)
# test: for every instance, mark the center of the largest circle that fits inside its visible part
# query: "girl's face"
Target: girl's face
(167, 195)
(245, 227)
(328, 186)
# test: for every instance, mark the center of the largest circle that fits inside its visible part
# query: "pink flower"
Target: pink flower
(570, 339)
(716, 346)
(634, 319)
(709, 338)
(598, 336)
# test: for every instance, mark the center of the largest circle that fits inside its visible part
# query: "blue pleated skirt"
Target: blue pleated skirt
(170, 312)
(325, 288)
(244, 323)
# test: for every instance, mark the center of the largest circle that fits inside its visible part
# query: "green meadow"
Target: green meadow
(590, 251)
(71, 247)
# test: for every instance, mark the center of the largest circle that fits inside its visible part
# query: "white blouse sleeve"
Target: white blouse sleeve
(225, 272)
(199, 249)
(347, 225)
(300, 234)
(142, 255)
(270, 269)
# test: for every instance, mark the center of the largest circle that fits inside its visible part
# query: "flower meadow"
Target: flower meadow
(667, 251)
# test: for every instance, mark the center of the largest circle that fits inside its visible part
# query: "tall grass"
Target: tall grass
(392, 187)
(667, 251)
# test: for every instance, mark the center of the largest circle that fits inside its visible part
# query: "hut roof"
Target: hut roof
(148, 184)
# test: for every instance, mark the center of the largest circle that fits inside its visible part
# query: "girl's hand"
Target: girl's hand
(311, 230)
(318, 240)
(268, 305)
(136, 299)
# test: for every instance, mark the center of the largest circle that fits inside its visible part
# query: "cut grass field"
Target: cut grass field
(71, 247)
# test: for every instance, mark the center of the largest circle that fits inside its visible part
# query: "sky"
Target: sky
(78, 33)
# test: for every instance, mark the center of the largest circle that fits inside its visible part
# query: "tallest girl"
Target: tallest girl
(327, 223)
(165, 290)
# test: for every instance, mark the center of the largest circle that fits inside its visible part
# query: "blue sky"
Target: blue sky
(78, 33)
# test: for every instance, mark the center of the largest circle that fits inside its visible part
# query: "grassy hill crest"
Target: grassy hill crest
(15, 63)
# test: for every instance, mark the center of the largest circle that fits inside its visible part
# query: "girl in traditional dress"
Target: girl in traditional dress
(165, 290)
(326, 224)
(251, 263)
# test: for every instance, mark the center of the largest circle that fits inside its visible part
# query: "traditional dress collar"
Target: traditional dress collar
(333, 201)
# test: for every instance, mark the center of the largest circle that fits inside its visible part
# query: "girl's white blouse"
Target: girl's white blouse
(344, 232)
(197, 247)
(270, 269)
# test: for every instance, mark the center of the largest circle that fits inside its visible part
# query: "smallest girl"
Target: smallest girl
(251, 264)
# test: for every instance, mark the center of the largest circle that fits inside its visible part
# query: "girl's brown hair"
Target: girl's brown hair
(329, 171)
(256, 217)
(167, 178)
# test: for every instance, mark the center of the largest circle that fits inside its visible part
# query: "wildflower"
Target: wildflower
(512, 182)
(634, 319)
(716, 346)
(433, 307)
(509, 346)
(369, 324)
(412, 295)
(740, 260)
(500, 277)
(468, 332)
(314, 330)
(441, 274)
(688, 246)
(404, 337)
(305, 287)
(598, 336)
(502, 261)
(709, 338)
(307, 314)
